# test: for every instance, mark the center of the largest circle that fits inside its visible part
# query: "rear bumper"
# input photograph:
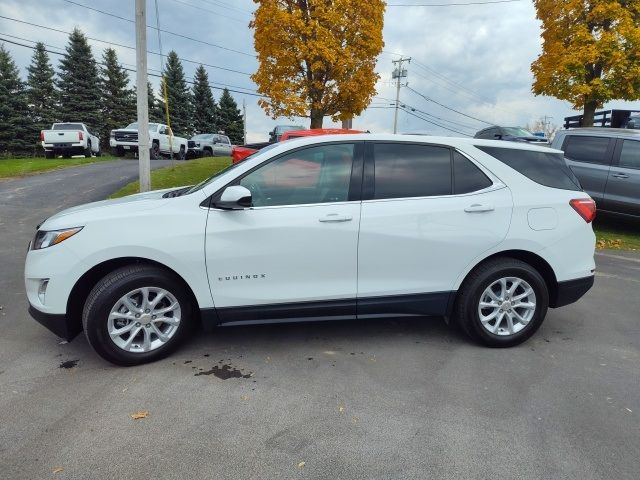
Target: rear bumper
(57, 323)
(571, 291)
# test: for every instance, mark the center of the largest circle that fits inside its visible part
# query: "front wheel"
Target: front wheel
(154, 153)
(137, 314)
(502, 302)
(182, 154)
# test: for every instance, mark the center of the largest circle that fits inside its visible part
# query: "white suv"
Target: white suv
(488, 234)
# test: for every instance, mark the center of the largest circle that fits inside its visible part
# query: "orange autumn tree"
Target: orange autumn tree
(590, 54)
(317, 57)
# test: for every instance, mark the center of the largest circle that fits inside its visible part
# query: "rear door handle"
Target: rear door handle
(334, 217)
(620, 175)
(478, 207)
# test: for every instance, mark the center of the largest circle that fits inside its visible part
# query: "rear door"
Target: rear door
(428, 211)
(590, 159)
(622, 193)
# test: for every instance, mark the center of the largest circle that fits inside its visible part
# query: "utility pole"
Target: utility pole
(398, 74)
(244, 121)
(144, 163)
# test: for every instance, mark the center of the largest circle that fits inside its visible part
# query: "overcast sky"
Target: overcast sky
(474, 59)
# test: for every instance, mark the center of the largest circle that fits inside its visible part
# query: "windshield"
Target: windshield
(200, 185)
(518, 132)
(67, 126)
(134, 126)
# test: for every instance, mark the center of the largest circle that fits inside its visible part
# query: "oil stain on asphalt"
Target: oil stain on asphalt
(224, 372)
(69, 364)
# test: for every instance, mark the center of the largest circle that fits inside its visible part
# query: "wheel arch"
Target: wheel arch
(84, 285)
(536, 261)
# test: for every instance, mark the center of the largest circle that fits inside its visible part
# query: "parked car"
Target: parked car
(276, 133)
(607, 163)
(510, 134)
(240, 153)
(358, 226)
(162, 141)
(209, 145)
(69, 139)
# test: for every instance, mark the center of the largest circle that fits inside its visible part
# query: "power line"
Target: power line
(458, 124)
(461, 4)
(211, 11)
(435, 123)
(186, 37)
(224, 5)
(134, 71)
(448, 108)
(129, 47)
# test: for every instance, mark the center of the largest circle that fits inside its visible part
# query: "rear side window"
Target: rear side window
(405, 170)
(467, 177)
(630, 154)
(581, 148)
(548, 169)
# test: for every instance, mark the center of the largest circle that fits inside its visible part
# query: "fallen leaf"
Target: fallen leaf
(301, 464)
(341, 409)
(140, 414)
(244, 397)
(58, 469)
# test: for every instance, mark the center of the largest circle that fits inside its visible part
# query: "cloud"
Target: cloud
(474, 59)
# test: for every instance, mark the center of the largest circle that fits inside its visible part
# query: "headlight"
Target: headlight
(46, 239)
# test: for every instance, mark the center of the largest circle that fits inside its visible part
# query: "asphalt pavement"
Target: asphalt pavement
(362, 400)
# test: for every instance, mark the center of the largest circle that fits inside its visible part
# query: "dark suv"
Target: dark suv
(607, 163)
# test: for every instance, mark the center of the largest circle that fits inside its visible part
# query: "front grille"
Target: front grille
(126, 136)
(191, 143)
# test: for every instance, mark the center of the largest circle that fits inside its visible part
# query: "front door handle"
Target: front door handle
(478, 207)
(334, 217)
(620, 175)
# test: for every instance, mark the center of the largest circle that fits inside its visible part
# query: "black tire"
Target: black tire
(154, 153)
(49, 154)
(468, 299)
(207, 152)
(87, 151)
(98, 153)
(113, 287)
(182, 153)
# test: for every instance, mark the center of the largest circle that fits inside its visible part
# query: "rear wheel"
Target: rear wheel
(137, 314)
(87, 151)
(49, 154)
(154, 153)
(502, 302)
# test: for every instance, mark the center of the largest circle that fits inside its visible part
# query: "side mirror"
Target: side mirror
(235, 197)
(497, 136)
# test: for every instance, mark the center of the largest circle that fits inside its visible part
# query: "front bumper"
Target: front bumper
(571, 291)
(57, 323)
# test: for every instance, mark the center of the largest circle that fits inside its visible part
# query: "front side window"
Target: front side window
(406, 170)
(467, 177)
(581, 148)
(630, 154)
(318, 174)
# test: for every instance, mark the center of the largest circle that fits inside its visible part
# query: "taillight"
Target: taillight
(80, 136)
(42, 135)
(585, 207)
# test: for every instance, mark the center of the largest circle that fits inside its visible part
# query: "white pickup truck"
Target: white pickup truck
(69, 139)
(161, 139)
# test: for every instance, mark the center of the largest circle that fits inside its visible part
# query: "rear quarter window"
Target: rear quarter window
(544, 168)
(582, 148)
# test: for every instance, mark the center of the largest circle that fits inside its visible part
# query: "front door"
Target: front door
(623, 187)
(294, 253)
(428, 212)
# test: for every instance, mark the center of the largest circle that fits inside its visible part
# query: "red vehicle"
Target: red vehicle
(240, 153)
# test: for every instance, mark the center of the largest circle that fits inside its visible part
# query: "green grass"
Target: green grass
(17, 167)
(617, 233)
(184, 173)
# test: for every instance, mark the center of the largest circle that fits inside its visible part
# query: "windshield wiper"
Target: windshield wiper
(177, 193)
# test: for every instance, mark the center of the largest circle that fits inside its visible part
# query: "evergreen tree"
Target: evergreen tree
(230, 118)
(118, 102)
(16, 129)
(41, 91)
(155, 109)
(79, 84)
(179, 95)
(205, 110)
